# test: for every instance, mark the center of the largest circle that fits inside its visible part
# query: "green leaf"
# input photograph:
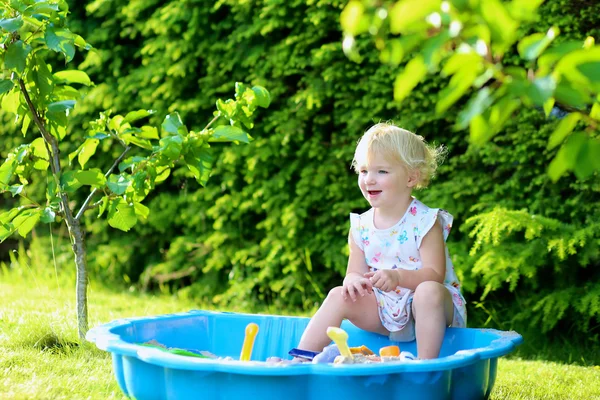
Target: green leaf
(480, 131)
(458, 86)
(199, 162)
(263, 97)
(93, 177)
(6, 85)
(502, 26)
(409, 78)
(103, 205)
(68, 182)
(48, 215)
(26, 123)
(524, 10)
(580, 67)
(141, 210)
(548, 106)
(405, 14)
(7, 216)
(7, 171)
(121, 215)
(16, 56)
(587, 160)
(148, 132)
(15, 189)
(170, 147)
(137, 115)
(60, 41)
(352, 18)
(88, 149)
(73, 76)
(227, 108)
(173, 125)
(566, 158)
(572, 95)
(595, 111)
(43, 77)
(98, 136)
(476, 106)
(555, 53)
(61, 106)
(228, 133)
(40, 154)
(11, 24)
(129, 137)
(564, 128)
(11, 102)
(500, 112)
(541, 89)
(25, 222)
(532, 46)
(591, 70)
(118, 184)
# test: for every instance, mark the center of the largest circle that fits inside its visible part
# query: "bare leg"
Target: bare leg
(363, 313)
(433, 311)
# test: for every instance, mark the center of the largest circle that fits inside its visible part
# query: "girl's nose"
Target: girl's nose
(370, 178)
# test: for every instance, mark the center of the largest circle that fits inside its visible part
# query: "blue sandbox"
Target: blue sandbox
(466, 368)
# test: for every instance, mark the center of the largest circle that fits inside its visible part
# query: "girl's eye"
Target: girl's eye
(363, 171)
(381, 171)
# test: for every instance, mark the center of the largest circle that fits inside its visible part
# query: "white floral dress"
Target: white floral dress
(398, 247)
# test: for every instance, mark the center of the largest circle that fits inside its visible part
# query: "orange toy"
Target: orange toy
(364, 350)
(389, 351)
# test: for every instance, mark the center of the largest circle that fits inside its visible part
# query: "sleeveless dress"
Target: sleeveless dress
(398, 247)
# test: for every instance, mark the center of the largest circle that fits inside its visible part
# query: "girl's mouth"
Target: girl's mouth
(374, 193)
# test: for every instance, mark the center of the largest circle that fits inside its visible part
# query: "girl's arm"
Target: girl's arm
(433, 259)
(355, 283)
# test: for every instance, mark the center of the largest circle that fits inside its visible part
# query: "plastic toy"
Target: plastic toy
(304, 354)
(340, 338)
(251, 331)
(466, 369)
(327, 356)
(174, 350)
(361, 350)
(389, 351)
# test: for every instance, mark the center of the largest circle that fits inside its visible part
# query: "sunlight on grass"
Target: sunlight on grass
(42, 357)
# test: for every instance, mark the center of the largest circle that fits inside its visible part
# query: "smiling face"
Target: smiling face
(385, 184)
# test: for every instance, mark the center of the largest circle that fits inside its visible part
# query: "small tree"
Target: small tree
(35, 93)
(467, 41)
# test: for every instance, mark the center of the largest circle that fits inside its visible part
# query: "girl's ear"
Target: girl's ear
(413, 178)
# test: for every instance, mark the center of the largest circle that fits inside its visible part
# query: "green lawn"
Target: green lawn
(40, 357)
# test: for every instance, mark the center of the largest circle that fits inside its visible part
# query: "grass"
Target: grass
(41, 357)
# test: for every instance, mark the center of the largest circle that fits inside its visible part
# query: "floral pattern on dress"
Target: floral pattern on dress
(394, 248)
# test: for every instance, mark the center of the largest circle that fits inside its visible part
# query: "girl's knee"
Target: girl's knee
(334, 297)
(430, 293)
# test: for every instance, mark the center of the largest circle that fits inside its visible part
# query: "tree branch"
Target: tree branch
(212, 121)
(87, 201)
(53, 152)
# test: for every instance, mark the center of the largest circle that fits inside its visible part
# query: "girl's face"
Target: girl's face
(385, 184)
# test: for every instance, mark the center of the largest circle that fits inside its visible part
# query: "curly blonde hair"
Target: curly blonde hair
(394, 144)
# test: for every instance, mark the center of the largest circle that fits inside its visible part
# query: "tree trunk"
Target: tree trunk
(78, 243)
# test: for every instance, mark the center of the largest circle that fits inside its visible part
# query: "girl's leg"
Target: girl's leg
(433, 311)
(363, 313)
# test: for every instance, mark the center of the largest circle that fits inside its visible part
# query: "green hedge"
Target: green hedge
(271, 225)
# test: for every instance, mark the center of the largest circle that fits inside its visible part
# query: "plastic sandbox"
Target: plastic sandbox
(466, 368)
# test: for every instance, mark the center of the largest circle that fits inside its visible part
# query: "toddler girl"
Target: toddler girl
(400, 280)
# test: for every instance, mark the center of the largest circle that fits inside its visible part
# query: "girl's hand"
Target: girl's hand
(384, 279)
(356, 285)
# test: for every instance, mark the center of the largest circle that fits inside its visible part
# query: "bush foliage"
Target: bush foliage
(271, 225)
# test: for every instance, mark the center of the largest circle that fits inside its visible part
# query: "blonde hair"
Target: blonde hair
(395, 144)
